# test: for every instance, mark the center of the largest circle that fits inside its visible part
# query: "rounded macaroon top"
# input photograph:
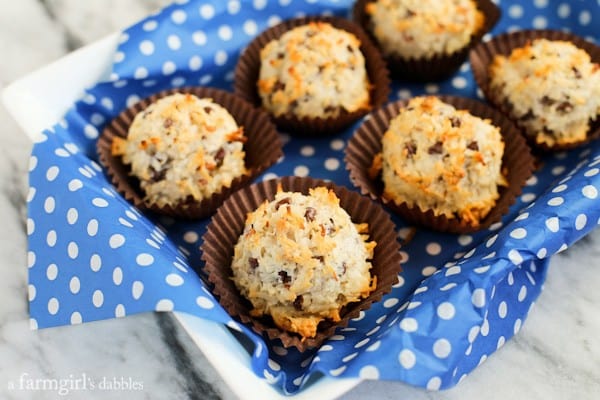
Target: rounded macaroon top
(552, 89)
(314, 70)
(423, 28)
(300, 259)
(438, 158)
(182, 149)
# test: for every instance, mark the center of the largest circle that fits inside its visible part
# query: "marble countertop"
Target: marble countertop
(556, 355)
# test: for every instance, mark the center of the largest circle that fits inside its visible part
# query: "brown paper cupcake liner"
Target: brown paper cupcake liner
(435, 68)
(228, 223)
(482, 55)
(262, 148)
(248, 68)
(366, 143)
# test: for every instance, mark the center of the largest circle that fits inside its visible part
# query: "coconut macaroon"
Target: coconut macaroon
(437, 158)
(551, 88)
(423, 28)
(314, 70)
(300, 259)
(182, 149)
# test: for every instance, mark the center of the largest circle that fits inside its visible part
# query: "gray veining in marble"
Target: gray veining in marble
(555, 356)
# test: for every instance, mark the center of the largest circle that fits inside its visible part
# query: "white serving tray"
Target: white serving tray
(38, 101)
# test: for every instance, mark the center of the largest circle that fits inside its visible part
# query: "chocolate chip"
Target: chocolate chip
(168, 122)
(547, 101)
(310, 214)
(280, 55)
(527, 116)
(344, 267)
(350, 49)
(455, 122)
(208, 110)
(278, 86)
(320, 258)
(298, 301)
(410, 13)
(253, 262)
(577, 73)
(411, 149)
(219, 157)
(157, 174)
(437, 148)
(285, 278)
(281, 202)
(329, 109)
(473, 146)
(293, 104)
(565, 107)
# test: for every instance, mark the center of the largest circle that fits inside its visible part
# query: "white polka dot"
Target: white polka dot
(49, 205)
(580, 221)
(205, 80)
(225, 33)
(515, 257)
(273, 20)
(337, 144)
(522, 293)
(164, 305)
(560, 188)
(515, 11)
(433, 249)
(178, 16)
(407, 359)
(591, 172)
(174, 43)
(585, 17)
(519, 233)
(98, 298)
(233, 7)
(478, 298)
(31, 292)
(150, 26)
(169, 68)
(51, 272)
(140, 73)
(564, 10)
(204, 302)
(465, 240)
(517, 326)
(552, 224)
(307, 151)
(207, 11)
(137, 289)
(31, 257)
(446, 311)
(95, 262)
(92, 227)
(448, 286)
(501, 341)
(73, 250)
(541, 3)
(442, 348)
(540, 22)
(250, 28)
(31, 194)
(195, 63)
(556, 201)
(33, 162)
(144, 259)
(485, 328)
(428, 271)
(60, 152)
(332, 164)
(100, 202)
(301, 170)
(52, 173)
(432, 88)
(220, 58)
(30, 226)
(528, 197)
(174, 280)
(76, 318)
(146, 47)
(74, 285)
(119, 311)
(117, 240)
(502, 309)
(199, 38)
(409, 325)
(590, 192)
(404, 257)
(391, 302)
(542, 253)
(369, 372)
(459, 82)
(434, 383)
(454, 270)
(75, 185)
(362, 342)
(259, 4)
(51, 238)
(53, 306)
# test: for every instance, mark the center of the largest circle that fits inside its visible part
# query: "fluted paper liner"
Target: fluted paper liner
(228, 223)
(262, 149)
(248, 68)
(482, 55)
(366, 143)
(434, 68)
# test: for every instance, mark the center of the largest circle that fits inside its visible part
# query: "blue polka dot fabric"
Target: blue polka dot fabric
(93, 256)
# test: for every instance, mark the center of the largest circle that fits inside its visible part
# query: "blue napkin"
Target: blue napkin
(92, 256)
